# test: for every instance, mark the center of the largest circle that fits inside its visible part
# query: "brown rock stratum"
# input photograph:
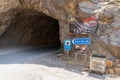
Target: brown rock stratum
(107, 39)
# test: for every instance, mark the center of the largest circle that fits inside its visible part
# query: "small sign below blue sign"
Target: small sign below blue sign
(67, 45)
(81, 41)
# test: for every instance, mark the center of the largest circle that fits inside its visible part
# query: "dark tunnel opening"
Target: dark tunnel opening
(31, 28)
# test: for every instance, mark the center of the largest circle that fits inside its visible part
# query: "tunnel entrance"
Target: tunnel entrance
(31, 28)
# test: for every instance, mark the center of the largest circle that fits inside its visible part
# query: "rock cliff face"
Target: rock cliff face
(30, 28)
(107, 39)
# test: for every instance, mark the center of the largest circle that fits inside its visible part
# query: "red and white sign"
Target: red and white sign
(91, 21)
(88, 25)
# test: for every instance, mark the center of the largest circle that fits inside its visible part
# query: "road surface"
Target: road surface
(40, 64)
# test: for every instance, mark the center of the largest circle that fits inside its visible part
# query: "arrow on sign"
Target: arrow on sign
(81, 41)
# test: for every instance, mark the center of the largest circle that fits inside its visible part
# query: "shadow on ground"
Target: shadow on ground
(40, 56)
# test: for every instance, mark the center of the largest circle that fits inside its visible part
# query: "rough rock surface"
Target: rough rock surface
(107, 40)
(30, 28)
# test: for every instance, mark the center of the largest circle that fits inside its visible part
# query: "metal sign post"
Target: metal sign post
(81, 48)
(67, 46)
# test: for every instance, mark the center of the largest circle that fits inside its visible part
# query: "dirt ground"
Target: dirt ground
(41, 65)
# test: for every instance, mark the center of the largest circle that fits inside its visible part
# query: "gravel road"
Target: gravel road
(40, 64)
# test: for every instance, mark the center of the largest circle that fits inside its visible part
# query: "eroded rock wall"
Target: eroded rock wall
(107, 39)
(30, 28)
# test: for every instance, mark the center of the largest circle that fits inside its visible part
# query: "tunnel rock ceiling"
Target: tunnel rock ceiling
(31, 28)
(107, 39)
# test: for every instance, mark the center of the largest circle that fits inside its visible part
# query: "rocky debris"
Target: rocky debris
(60, 55)
(113, 71)
(116, 71)
(118, 65)
(109, 64)
(116, 62)
(110, 71)
(115, 68)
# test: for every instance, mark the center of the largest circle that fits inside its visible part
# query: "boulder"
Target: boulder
(110, 71)
(109, 64)
(116, 71)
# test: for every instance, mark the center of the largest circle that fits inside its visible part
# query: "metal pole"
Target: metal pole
(68, 55)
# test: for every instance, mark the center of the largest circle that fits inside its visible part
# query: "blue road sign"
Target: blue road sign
(67, 45)
(81, 41)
